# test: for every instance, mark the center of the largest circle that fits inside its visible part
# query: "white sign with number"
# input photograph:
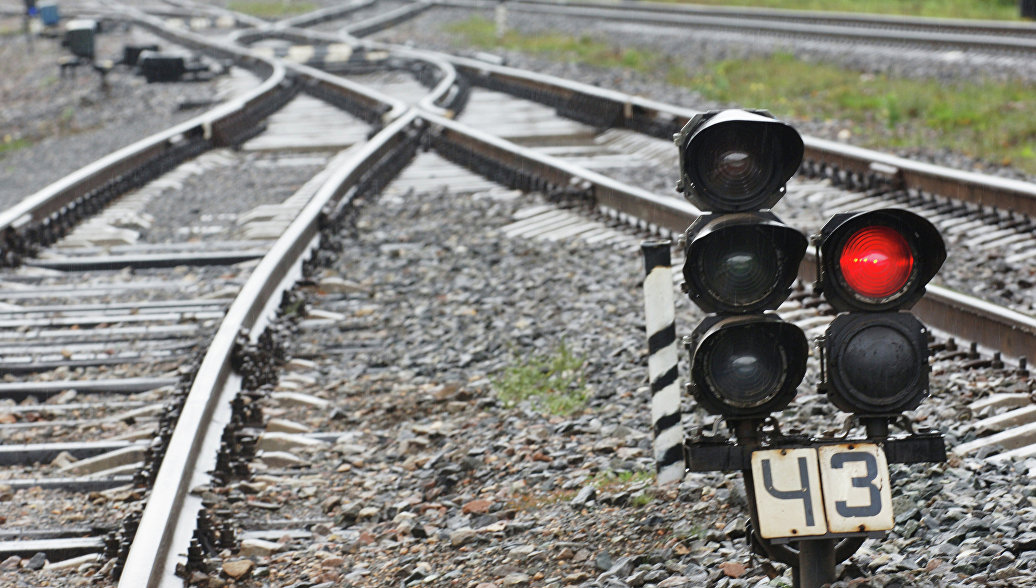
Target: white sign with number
(788, 499)
(802, 492)
(857, 491)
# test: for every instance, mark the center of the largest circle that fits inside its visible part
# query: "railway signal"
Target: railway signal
(872, 267)
(813, 500)
(740, 262)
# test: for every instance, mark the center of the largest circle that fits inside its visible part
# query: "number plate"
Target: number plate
(805, 492)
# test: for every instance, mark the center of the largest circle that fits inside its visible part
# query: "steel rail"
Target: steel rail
(302, 20)
(965, 186)
(121, 168)
(324, 14)
(846, 19)
(153, 554)
(747, 23)
(366, 103)
(616, 109)
(989, 325)
(546, 172)
(157, 533)
(239, 17)
(170, 515)
(383, 21)
(437, 100)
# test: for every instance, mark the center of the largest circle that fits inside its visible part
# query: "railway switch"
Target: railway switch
(740, 262)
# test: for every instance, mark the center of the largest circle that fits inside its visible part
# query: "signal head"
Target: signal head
(741, 263)
(746, 366)
(735, 160)
(877, 363)
(878, 260)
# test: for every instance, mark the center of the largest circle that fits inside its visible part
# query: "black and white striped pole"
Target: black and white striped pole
(659, 312)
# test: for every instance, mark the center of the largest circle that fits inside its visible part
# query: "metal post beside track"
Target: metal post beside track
(659, 310)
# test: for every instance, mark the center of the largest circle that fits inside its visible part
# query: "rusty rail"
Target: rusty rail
(1000, 36)
(989, 325)
(615, 109)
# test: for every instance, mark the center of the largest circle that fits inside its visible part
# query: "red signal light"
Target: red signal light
(876, 261)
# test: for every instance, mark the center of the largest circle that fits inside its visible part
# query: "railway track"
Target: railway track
(905, 31)
(263, 465)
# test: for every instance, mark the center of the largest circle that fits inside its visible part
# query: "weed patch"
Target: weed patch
(553, 383)
(272, 8)
(10, 145)
(530, 501)
(610, 480)
(984, 9)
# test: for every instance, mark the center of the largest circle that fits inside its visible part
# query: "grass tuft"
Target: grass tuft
(982, 9)
(528, 501)
(611, 480)
(271, 8)
(482, 32)
(9, 144)
(555, 383)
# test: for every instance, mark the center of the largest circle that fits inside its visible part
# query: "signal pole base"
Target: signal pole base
(816, 563)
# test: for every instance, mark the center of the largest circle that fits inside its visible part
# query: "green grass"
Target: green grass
(609, 479)
(641, 499)
(988, 120)
(10, 145)
(272, 8)
(529, 501)
(982, 9)
(554, 383)
(695, 532)
(612, 481)
(620, 481)
(481, 32)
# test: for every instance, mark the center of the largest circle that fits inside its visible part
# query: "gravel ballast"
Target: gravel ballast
(435, 481)
(440, 483)
(68, 121)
